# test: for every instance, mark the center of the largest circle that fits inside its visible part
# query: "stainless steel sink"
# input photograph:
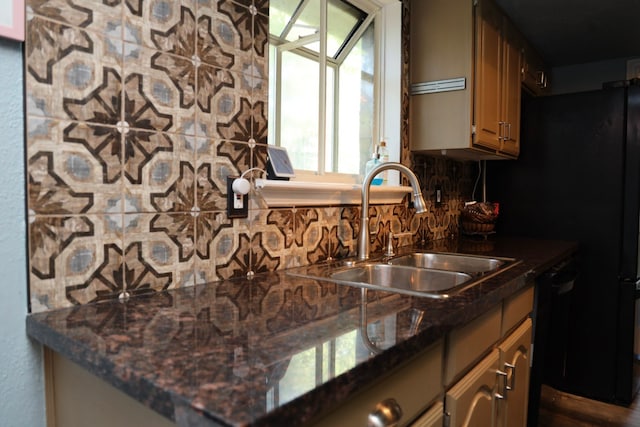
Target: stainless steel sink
(423, 274)
(402, 279)
(450, 262)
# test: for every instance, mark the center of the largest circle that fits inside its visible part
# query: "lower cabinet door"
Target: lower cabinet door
(472, 400)
(514, 361)
(434, 417)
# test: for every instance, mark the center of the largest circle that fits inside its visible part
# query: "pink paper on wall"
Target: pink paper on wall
(12, 19)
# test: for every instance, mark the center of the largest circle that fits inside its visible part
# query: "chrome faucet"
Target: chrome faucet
(418, 201)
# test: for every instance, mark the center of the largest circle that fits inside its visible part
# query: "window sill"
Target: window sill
(301, 193)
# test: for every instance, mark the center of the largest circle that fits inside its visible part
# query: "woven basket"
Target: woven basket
(475, 227)
(479, 217)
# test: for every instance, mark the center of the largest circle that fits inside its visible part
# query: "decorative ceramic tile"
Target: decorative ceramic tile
(171, 187)
(72, 167)
(246, 3)
(404, 220)
(159, 249)
(159, 172)
(222, 246)
(273, 236)
(211, 190)
(224, 107)
(165, 98)
(72, 74)
(261, 259)
(215, 88)
(143, 151)
(262, 6)
(260, 39)
(315, 235)
(163, 25)
(259, 117)
(259, 157)
(235, 123)
(208, 225)
(102, 105)
(337, 248)
(224, 38)
(223, 159)
(295, 256)
(140, 110)
(329, 218)
(101, 17)
(101, 146)
(380, 221)
(282, 223)
(348, 227)
(74, 259)
(233, 251)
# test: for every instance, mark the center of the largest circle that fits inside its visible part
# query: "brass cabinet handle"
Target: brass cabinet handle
(541, 79)
(505, 387)
(510, 384)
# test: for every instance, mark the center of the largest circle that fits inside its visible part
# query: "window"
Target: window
(327, 103)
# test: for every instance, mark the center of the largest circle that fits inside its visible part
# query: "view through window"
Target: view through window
(322, 94)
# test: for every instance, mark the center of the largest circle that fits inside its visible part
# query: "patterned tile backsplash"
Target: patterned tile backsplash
(137, 111)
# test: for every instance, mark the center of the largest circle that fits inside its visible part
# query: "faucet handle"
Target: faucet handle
(390, 245)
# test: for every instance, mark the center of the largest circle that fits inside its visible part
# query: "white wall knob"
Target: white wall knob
(241, 186)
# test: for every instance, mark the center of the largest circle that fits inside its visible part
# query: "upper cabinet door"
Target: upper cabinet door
(511, 91)
(488, 84)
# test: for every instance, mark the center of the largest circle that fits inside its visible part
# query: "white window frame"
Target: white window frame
(387, 94)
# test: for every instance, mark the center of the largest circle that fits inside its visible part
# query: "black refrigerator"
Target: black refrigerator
(578, 178)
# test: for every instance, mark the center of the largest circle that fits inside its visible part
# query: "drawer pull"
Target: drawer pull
(387, 413)
(512, 368)
(505, 386)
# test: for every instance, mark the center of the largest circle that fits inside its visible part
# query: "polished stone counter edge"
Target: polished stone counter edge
(536, 259)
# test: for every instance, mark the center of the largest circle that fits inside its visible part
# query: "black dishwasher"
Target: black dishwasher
(551, 315)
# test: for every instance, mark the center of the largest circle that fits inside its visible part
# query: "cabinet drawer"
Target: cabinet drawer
(469, 342)
(414, 386)
(516, 308)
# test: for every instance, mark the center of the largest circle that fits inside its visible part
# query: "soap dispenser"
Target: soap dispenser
(373, 162)
(384, 157)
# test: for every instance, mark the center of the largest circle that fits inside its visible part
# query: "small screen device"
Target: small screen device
(278, 164)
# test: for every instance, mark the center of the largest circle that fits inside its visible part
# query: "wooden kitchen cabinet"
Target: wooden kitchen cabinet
(472, 401)
(535, 75)
(474, 42)
(434, 417)
(489, 76)
(470, 342)
(414, 386)
(495, 392)
(515, 361)
(498, 81)
(77, 398)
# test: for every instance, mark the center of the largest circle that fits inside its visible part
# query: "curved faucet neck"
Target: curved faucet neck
(363, 240)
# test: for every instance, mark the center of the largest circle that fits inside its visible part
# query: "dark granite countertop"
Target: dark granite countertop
(274, 349)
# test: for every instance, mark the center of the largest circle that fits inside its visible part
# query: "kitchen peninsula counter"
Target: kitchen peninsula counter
(220, 354)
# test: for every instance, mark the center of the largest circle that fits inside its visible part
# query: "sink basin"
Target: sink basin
(423, 274)
(403, 279)
(450, 262)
